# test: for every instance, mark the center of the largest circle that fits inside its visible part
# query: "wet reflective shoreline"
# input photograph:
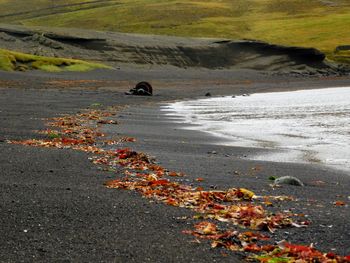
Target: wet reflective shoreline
(306, 125)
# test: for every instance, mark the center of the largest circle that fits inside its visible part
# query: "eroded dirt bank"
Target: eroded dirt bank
(119, 49)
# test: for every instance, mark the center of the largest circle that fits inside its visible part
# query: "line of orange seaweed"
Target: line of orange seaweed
(237, 206)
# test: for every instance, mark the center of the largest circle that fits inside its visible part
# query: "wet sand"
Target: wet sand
(305, 126)
(56, 208)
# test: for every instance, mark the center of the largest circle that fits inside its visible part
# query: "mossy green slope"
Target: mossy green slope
(10, 60)
(323, 24)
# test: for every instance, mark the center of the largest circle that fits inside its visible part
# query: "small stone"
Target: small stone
(208, 94)
(41, 250)
(290, 180)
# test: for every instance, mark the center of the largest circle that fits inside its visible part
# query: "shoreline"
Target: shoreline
(278, 149)
(220, 169)
(61, 193)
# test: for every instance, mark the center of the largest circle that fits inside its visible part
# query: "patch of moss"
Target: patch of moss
(11, 60)
(49, 68)
(80, 67)
(342, 56)
(6, 63)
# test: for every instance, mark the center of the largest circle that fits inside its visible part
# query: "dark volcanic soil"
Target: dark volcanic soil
(119, 49)
(54, 207)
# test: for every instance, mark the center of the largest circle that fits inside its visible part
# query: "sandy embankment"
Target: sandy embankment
(148, 51)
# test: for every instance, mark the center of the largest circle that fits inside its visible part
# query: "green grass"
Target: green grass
(10, 60)
(312, 23)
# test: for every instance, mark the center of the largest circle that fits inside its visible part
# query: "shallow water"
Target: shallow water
(305, 126)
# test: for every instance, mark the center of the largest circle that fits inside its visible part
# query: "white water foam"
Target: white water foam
(305, 125)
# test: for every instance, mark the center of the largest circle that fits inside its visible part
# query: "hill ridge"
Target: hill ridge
(312, 23)
(118, 49)
(36, 13)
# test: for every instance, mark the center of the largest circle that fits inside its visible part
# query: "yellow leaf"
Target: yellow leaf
(247, 194)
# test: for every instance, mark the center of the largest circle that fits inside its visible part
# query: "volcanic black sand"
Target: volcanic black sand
(54, 207)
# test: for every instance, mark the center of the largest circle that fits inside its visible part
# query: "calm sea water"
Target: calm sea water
(304, 126)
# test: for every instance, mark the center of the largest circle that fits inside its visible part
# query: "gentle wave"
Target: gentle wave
(306, 125)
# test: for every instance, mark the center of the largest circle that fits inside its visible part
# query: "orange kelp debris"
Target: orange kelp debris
(229, 239)
(78, 132)
(232, 205)
(237, 206)
(255, 243)
(286, 252)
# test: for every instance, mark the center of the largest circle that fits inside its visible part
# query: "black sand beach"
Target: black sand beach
(56, 209)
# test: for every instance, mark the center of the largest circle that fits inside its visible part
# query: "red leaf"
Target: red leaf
(330, 255)
(268, 248)
(112, 183)
(159, 182)
(218, 206)
(339, 203)
(172, 201)
(173, 174)
(252, 248)
(206, 228)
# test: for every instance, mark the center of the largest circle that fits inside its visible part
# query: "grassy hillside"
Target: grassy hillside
(323, 24)
(10, 61)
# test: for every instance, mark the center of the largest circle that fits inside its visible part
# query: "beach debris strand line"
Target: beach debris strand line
(238, 207)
